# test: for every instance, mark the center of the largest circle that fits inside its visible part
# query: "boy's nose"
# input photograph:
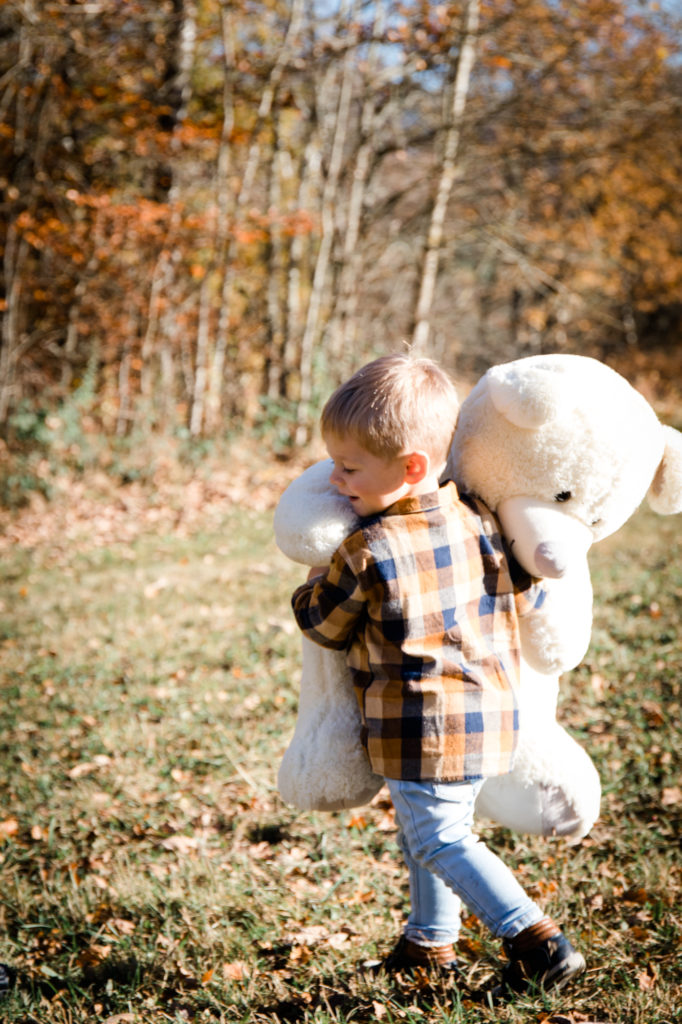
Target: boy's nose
(334, 477)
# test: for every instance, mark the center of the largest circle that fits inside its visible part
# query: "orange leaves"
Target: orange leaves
(8, 828)
(671, 796)
(87, 198)
(249, 235)
(646, 979)
(258, 226)
(237, 970)
(358, 897)
(307, 938)
(498, 61)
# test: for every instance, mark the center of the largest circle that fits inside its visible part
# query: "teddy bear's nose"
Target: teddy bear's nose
(551, 559)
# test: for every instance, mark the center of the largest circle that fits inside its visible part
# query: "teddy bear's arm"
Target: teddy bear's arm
(555, 636)
(312, 518)
(325, 766)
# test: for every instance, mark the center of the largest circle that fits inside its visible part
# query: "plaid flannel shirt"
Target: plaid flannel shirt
(425, 602)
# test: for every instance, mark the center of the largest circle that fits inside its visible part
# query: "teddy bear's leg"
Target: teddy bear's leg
(553, 789)
(325, 767)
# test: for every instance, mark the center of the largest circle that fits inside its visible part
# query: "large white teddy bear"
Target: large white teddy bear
(563, 450)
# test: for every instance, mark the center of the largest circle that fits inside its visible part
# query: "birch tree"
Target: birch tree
(328, 214)
(447, 176)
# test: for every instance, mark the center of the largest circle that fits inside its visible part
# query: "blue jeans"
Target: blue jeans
(448, 864)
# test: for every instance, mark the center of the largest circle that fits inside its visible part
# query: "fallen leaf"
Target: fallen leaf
(647, 979)
(93, 955)
(300, 955)
(8, 828)
(121, 925)
(380, 1010)
(309, 936)
(387, 823)
(181, 844)
(598, 684)
(653, 713)
(84, 768)
(152, 589)
(235, 971)
(474, 947)
(671, 795)
(361, 896)
(636, 895)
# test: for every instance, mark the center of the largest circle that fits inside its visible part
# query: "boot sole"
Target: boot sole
(552, 980)
(563, 972)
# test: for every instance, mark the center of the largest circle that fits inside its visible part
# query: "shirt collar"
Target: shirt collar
(446, 494)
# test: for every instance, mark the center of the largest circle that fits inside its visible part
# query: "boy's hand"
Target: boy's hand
(317, 570)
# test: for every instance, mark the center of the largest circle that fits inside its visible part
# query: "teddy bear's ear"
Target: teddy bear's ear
(665, 493)
(530, 395)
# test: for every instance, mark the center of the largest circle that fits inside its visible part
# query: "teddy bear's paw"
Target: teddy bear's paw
(314, 783)
(559, 815)
(537, 808)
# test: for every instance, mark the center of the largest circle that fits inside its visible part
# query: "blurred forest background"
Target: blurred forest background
(213, 210)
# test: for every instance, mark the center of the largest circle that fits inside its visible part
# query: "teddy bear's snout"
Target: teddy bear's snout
(544, 539)
(551, 560)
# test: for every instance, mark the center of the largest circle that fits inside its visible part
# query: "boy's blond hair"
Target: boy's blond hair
(395, 405)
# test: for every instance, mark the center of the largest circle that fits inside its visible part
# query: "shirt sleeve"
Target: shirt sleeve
(529, 591)
(328, 609)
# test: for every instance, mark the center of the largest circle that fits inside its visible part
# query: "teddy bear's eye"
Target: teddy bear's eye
(563, 496)
(595, 522)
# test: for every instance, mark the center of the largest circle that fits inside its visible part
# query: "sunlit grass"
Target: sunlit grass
(150, 871)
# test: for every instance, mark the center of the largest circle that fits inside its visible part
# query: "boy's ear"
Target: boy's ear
(417, 465)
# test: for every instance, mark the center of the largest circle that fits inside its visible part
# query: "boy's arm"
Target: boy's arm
(327, 607)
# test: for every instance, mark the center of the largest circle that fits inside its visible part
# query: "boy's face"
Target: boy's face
(370, 482)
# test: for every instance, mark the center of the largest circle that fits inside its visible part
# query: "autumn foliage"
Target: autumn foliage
(212, 210)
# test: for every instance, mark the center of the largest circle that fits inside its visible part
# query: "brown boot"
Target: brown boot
(407, 955)
(539, 956)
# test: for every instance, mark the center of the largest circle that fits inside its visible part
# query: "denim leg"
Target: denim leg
(434, 908)
(436, 821)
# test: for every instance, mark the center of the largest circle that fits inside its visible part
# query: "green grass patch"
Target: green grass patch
(149, 869)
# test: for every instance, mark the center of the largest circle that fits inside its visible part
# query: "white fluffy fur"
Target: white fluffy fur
(532, 429)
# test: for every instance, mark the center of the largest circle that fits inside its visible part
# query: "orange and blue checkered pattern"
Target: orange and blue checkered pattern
(425, 602)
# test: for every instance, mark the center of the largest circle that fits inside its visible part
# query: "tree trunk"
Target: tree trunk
(460, 89)
(328, 226)
(343, 325)
(221, 350)
(162, 300)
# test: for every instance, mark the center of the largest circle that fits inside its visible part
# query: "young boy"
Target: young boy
(425, 603)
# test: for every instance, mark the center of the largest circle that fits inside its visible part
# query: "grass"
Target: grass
(150, 871)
